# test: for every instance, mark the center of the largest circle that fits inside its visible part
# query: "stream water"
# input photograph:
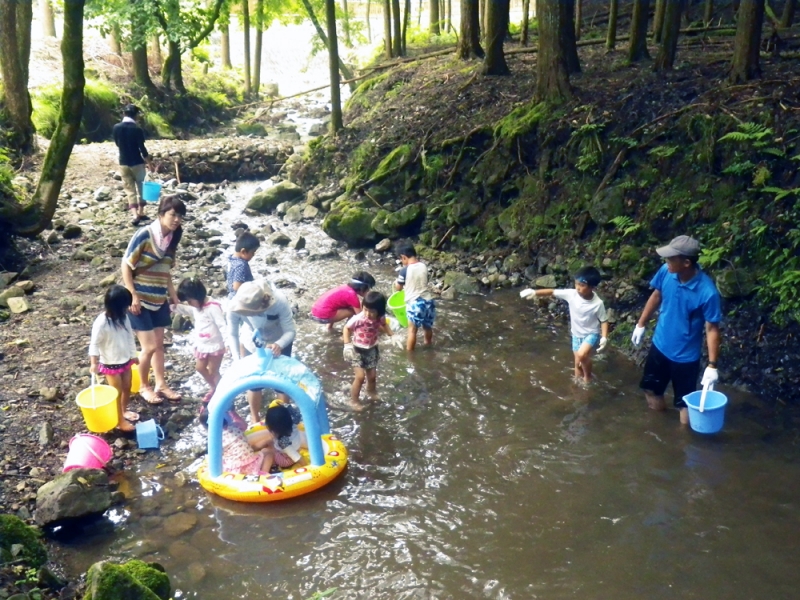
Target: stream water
(483, 472)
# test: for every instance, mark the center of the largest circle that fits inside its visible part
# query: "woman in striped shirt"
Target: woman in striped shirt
(146, 270)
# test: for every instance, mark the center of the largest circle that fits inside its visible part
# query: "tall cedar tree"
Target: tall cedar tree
(552, 76)
(31, 219)
(637, 48)
(434, 27)
(568, 34)
(141, 71)
(387, 28)
(406, 19)
(248, 88)
(708, 13)
(747, 44)
(665, 59)
(259, 22)
(611, 33)
(333, 60)
(787, 17)
(397, 36)
(15, 75)
(494, 63)
(469, 39)
(47, 16)
(578, 18)
(346, 72)
(526, 22)
(658, 20)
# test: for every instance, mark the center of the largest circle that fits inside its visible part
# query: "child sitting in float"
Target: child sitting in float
(282, 423)
(252, 455)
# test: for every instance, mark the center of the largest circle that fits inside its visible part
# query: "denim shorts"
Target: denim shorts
(147, 319)
(593, 339)
(421, 312)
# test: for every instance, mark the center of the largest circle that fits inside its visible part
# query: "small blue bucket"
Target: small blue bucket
(148, 434)
(712, 418)
(151, 191)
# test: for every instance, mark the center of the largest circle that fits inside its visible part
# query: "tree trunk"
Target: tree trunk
(155, 48)
(419, 16)
(406, 19)
(787, 17)
(665, 58)
(387, 28)
(708, 12)
(172, 73)
(469, 40)
(347, 41)
(18, 105)
(449, 17)
(482, 15)
(38, 214)
(259, 42)
(225, 46)
(578, 18)
(141, 70)
(526, 23)
(345, 70)
(747, 44)
(333, 55)
(246, 25)
(637, 46)
(48, 18)
(570, 43)
(114, 40)
(369, 25)
(24, 22)
(494, 63)
(611, 33)
(434, 26)
(397, 28)
(658, 20)
(552, 77)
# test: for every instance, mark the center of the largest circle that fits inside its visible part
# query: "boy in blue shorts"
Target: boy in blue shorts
(238, 264)
(420, 307)
(587, 315)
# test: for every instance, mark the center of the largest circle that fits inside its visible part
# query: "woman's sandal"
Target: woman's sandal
(168, 394)
(131, 416)
(149, 396)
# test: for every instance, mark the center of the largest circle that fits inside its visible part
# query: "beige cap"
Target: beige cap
(252, 298)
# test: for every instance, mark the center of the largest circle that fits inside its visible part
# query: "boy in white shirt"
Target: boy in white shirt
(420, 307)
(587, 315)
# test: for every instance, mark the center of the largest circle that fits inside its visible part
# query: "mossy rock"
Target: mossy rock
(403, 222)
(506, 221)
(608, 205)
(269, 199)
(350, 223)
(109, 581)
(256, 129)
(735, 283)
(394, 161)
(430, 255)
(19, 541)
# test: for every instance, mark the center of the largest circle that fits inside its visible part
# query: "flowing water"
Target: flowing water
(483, 472)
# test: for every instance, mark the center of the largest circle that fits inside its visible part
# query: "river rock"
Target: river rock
(20, 542)
(135, 580)
(179, 523)
(269, 199)
(735, 283)
(512, 262)
(294, 214)
(384, 245)
(76, 493)
(310, 212)
(46, 434)
(316, 129)
(18, 305)
(279, 239)
(11, 292)
(26, 286)
(52, 238)
(546, 282)
(298, 244)
(400, 222)
(461, 283)
(72, 231)
(7, 277)
(49, 394)
(82, 255)
(102, 194)
(348, 222)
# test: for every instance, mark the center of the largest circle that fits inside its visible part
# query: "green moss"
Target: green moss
(428, 254)
(100, 110)
(108, 581)
(14, 531)
(152, 575)
(256, 129)
(394, 161)
(155, 122)
(350, 223)
(520, 121)
(358, 96)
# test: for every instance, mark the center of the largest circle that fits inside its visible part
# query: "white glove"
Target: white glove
(638, 335)
(527, 293)
(349, 352)
(601, 346)
(710, 377)
(398, 341)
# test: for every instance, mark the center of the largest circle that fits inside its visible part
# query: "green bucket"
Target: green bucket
(397, 304)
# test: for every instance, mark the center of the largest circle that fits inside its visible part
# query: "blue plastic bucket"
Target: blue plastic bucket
(148, 434)
(713, 416)
(151, 191)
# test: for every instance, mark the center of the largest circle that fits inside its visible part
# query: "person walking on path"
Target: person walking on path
(146, 272)
(689, 303)
(129, 138)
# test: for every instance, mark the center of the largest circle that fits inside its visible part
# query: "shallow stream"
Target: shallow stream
(483, 472)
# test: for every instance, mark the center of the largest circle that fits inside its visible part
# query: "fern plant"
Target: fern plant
(625, 225)
(760, 137)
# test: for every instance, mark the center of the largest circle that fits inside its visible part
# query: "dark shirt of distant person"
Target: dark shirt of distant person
(133, 156)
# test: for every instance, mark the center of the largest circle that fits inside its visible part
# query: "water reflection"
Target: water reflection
(482, 472)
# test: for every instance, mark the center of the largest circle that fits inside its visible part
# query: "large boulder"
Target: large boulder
(11, 292)
(269, 199)
(76, 493)
(607, 205)
(135, 580)
(350, 223)
(735, 283)
(20, 542)
(403, 222)
(462, 283)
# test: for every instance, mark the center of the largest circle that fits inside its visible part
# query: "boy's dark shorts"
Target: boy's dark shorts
(659, 371)
(147, 319)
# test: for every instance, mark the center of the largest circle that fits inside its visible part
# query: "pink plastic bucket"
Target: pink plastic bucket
(87, 451)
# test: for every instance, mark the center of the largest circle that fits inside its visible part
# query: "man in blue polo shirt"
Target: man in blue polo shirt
(689, 303)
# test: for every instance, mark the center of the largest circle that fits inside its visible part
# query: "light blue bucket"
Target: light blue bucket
(148, 434)
(712, 418)
(151, 191)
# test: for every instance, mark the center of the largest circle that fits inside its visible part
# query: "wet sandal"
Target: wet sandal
(149, 396)
(168, 394)
(131, 416)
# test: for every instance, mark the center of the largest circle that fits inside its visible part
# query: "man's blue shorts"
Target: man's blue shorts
(421, 312)
(593, 339)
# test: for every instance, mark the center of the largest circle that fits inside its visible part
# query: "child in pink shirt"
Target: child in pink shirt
(342, 302)
(360, 337)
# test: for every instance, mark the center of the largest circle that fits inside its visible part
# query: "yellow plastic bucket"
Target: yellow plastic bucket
(136, 379)
(98, 403)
